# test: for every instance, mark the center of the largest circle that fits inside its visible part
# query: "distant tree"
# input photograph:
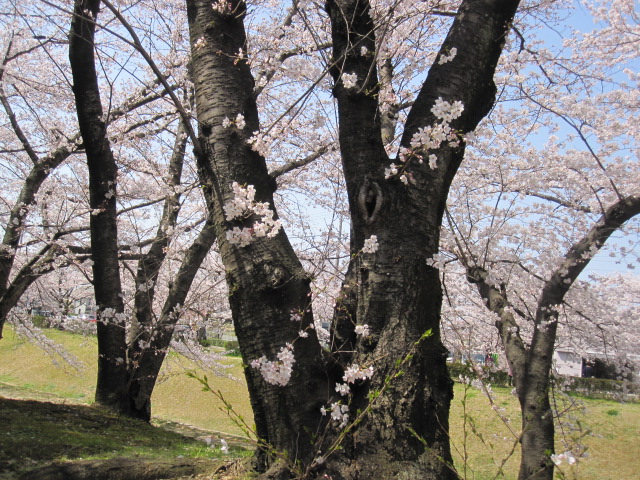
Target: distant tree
(44, 215)
(45, 231)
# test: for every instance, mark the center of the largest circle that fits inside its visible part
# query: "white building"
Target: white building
(567, 363)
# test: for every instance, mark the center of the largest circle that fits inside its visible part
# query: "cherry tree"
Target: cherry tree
(270, 92)
(45, 214)
(47, 231)
(133, 342)
(539, 215)
(30, 152)
(390, 302)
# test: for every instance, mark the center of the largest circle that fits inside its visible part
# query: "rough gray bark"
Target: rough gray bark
(102, 167)
(266, 278)
(531, 366)
(393, 291)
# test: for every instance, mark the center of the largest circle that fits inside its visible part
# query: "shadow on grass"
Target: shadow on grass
(38, 433)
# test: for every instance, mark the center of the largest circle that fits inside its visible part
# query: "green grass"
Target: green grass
(36, 433)
(30, 373)
(488, 444)
(610, 440)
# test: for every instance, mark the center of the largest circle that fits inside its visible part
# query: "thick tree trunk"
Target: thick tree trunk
(127, 371)
(536, 440)
(112, 372)
(394, 291)
(265, 278)
(404, 431)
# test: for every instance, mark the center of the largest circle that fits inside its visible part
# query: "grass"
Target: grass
(609, 439)
(608, 430)
(178, 398)
(35, 433)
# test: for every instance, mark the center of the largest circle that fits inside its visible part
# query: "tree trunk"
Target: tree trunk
(265, 278)
(112, 372)
(536, 440)
(143, 375)
(404, 433)
(531, 366)
(127, 371)
(148, 340)
(394, 291)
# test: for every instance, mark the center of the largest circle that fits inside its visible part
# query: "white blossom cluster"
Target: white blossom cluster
(386, 98)
(447, 58)
(392, 171)
(238, 122)
(437, 261)
(260, 143)
(277, 372)
(564, 457)
(354, 372)
(433, 136)
(339, 413)
(200, 43)
(362, 330)
(110, 315)
(433, 162)
(222, 6)
(243, 205)
(446, 111)
(370, 244)
(343, 389)
(430, 137)
(349, 80)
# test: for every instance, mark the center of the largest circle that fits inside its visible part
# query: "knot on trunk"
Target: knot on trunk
(370, 200)
(272, 275)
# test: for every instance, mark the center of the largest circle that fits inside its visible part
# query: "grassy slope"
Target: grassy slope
(36, 433)
(177, 397)
(613, 449)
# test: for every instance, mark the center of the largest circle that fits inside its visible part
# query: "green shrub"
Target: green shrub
(212, 342)
(40, 321)
(231, 346)
(599, 387)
